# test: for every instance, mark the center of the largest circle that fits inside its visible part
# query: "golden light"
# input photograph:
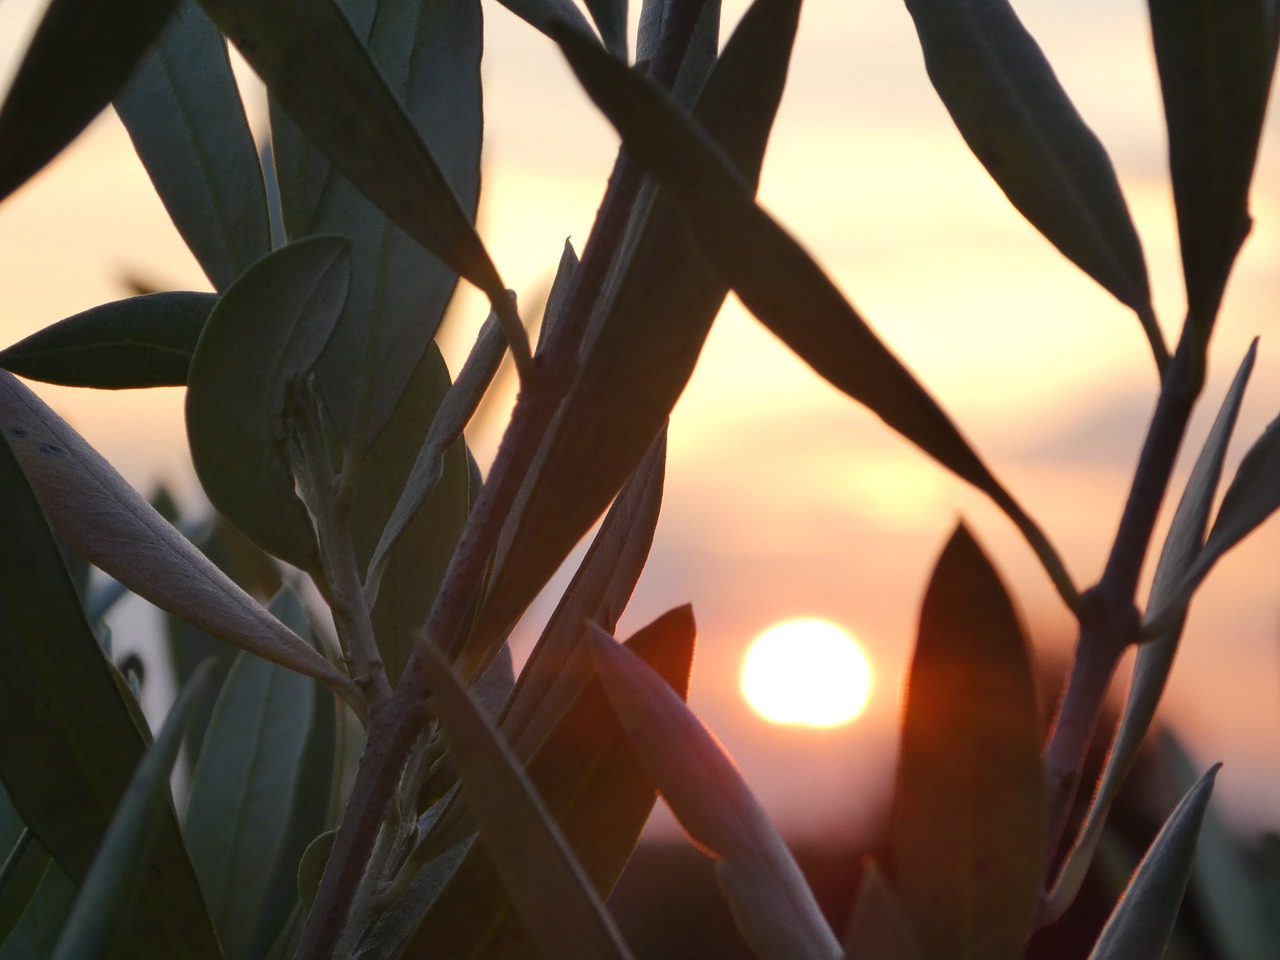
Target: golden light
(807, 673)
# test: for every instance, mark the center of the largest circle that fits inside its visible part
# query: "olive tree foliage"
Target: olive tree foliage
(488, 814)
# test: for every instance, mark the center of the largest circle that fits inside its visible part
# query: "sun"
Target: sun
(806, 672)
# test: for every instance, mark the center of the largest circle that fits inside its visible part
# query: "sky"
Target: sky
(784, 498)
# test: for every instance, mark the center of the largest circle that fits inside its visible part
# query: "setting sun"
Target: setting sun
(807, 673)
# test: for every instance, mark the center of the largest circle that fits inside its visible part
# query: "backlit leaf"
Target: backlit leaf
(81, 54)
(261, 340)
(1018, 121)
(183, 112)
(970, 816)
(144, 341)
(68, 742)
(770, 900)
(878, 927)
(541, 14)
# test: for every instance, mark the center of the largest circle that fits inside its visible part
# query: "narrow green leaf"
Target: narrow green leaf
(552, 894)
(610, 17)
(104, 519)
(1018, 121)
(81, 54)
(68, 743)
(247, 792)
(590, 782)
(1142, 922)
(410, 573)
(1155, 657)
(970, 817)
(647, 336)
(23, 863)
(263, 337)
(35, 934)
(316, 66)
(1215, 60)
(778, 281)
(771, 902)
(878, 928)
(183, 111)
(143, 341)
(121, 867)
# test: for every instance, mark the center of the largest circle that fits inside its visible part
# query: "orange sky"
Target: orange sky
(784, 498)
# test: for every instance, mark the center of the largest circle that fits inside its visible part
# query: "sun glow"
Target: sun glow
(806, 673)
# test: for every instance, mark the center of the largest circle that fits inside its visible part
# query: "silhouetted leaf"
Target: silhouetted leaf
(1142, 922)
(259, 343)
(970, 817)
(144, 341)
(1155, 657)
(541, 14)
(610, 17)
(81, 53)
(778, 281)
(122, 866)
(1216, 60)
(68, 743)
(771, 902)
(95, 510)
(1018, 121)
(646, 338)
(248, 794)
(183, 112)
(878, 927)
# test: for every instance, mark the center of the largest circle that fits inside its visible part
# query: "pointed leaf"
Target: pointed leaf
(247, 791)
(970, 818)
(1142, 922)
(316, 66)
(121, 867)
(183, 111)
(1018, 121)
(542, 14)
(106, 520)
(778, 281)
(591, 783)
(646, 339)
(771, 902)
(81, 54)
(1155, 657)
(261, 340)
(554, 897)
(144, 341)
(878, 928)
(1216, 60)
(68, 742)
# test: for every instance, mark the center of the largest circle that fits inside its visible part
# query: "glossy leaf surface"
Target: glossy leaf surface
(1018, 121)
(104, 519)
(771, 902)
(1142, 922)
(144, 341)
(183, 112)
(68, 742)
(778, 281)
(122, 865)
(81, 54)
(1216, 60)
(970, 810)
(260, 342)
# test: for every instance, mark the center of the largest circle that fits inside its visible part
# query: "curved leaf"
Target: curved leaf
(262, 339)
(83, 51)
(68, 742)
(878, 927)
(970, 817)
(1018, 121)
(542, 14)
(143, 341)
(183, 112)
(778, 281)
(105, 520)
(770, 899)
(121, 867)
(35, 933)
(1155, 657)
(1215, 60)
(1142, 922)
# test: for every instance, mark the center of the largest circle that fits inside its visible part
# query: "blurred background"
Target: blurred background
(784, 499)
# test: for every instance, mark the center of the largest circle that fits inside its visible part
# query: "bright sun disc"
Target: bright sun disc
(806, 672)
